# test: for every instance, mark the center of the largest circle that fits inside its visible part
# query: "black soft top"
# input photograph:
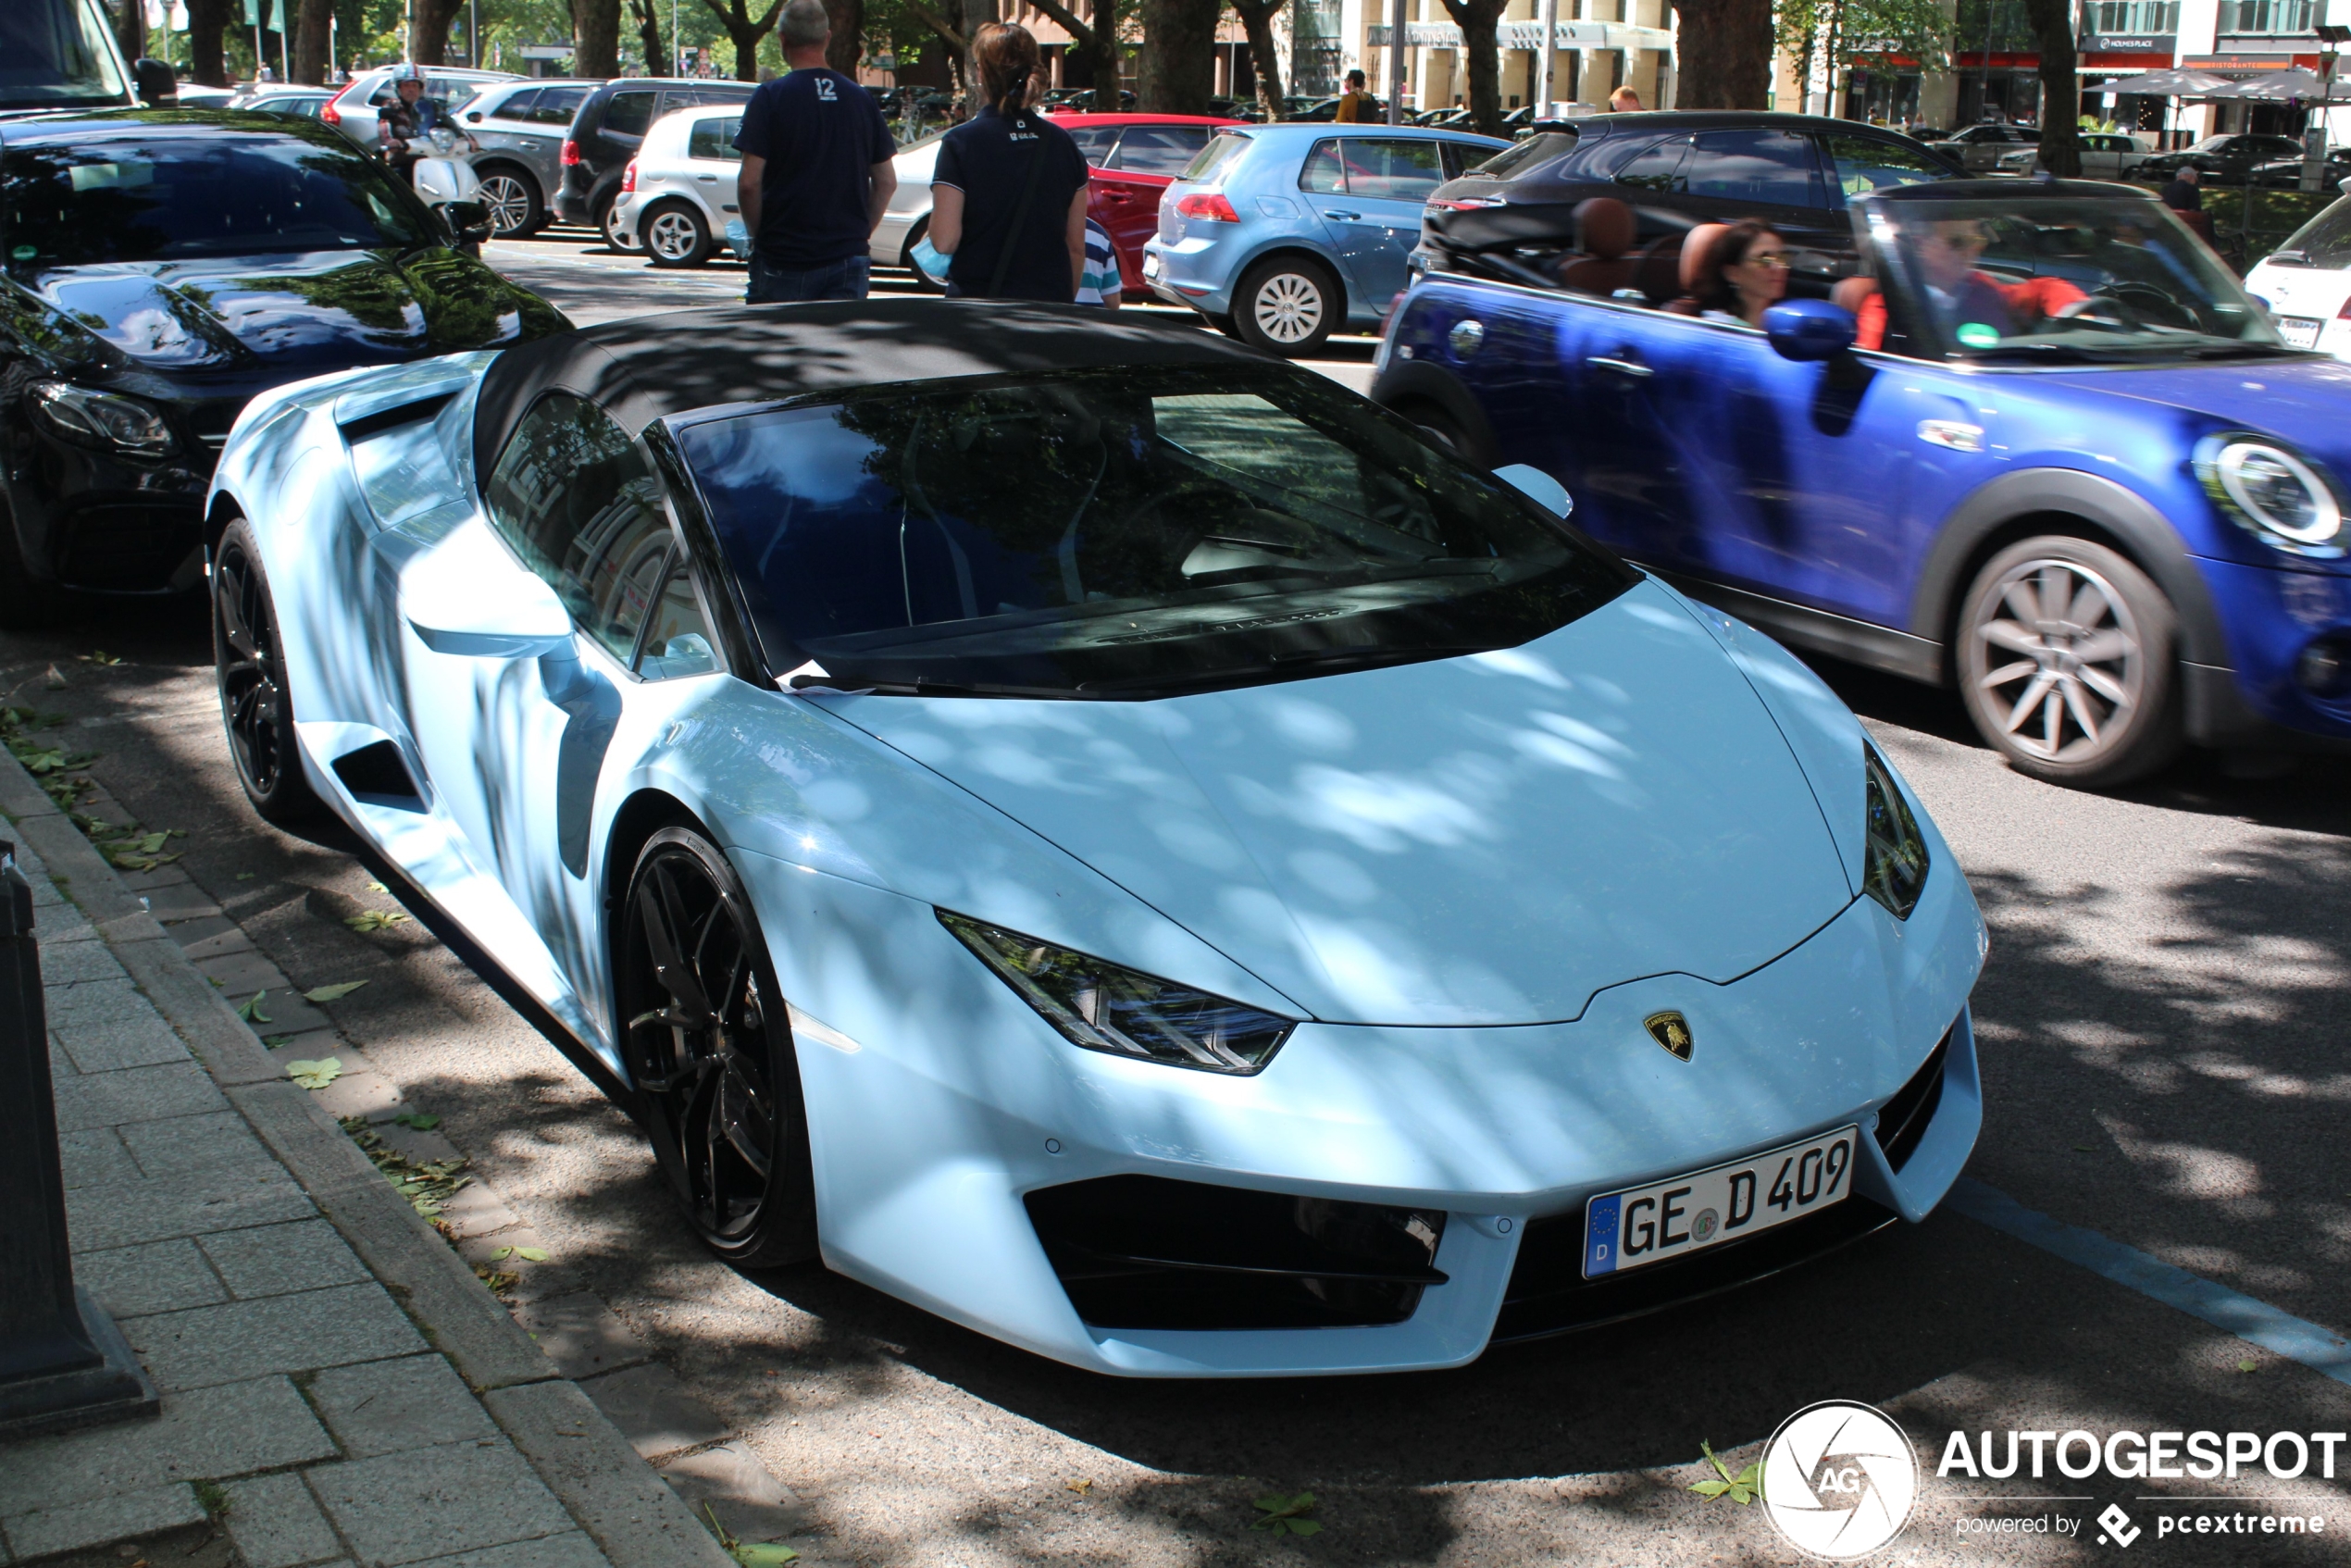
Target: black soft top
(651, 366)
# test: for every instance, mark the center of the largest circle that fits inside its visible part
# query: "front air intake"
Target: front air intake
(1906, 1117)
(1138, 1251)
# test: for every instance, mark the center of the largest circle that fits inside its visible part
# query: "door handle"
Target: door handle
(1633, 368)
(1343, 216)
(707, 178)
(1119, 195)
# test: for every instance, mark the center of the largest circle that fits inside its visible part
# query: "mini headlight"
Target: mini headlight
(1103, 1006)
(1894, 862)
(102, 420)
(2270, 490)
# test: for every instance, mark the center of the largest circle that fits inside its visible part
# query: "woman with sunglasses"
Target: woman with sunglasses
(1751, 271)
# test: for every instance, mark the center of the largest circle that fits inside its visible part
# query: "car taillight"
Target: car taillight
(629, 176)
(570, 153)
(1209, 205)
(2345, 313)
(333, 113)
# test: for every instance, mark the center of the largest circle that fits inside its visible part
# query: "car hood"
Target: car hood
(2300, 399)
(301, 313)
(1485, 840)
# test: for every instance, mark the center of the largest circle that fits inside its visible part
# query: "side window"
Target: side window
(1324, 172)
(1393, 169)
(1161, 149)
(1657, 166)
(578, 501)
(1753, 166)
(516, 105)
(678, 638)
(1861, 164)
(628, 114)
(1096, 142)
(713, 137)
(557, 105)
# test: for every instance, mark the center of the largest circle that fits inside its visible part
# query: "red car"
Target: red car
(1134, 157)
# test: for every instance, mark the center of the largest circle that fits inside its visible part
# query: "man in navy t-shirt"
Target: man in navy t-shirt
(816, 172)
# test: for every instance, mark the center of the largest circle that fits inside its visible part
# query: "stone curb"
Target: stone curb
(627, 1508)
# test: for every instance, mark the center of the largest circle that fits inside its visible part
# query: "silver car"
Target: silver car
(2106, 154)
(521, 126)
(1981, 147)
(355, 109)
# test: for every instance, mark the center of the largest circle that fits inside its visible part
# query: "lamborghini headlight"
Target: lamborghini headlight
(1894, 862)
(2272, 492)
(102, 420)
(1105, 1006)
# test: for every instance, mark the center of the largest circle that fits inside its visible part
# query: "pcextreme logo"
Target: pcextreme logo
(1839, 1479)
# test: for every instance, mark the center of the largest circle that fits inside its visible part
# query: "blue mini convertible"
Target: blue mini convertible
(2042, 447)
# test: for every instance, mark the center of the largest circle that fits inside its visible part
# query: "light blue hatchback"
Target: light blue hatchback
(1280, 233)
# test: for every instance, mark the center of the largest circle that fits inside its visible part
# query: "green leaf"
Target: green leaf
(2247, 1365)
(1280, 1510)
(375, 920)
(763, 1554)
(1711, 1488)
(1302, 1527)
(244, 875)
(500, 1256)
(532, 1254)
(332, 994)
(314, 1075)
(249, 1010)
(273, 1042)
(417, 1120)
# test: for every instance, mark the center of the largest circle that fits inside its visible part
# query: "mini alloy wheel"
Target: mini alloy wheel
(675, 235)
(1287, 305)
(513, 205)
(2065, 663)
(250, 669)
(709, 1044)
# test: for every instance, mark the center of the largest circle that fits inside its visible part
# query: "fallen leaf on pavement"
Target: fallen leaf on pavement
(314, 1075)
(249, 1010)
(332, 994)
(99, 656)
(56, 680)
(375, 920)
(1079, 1486)
(1285, 1516)
(1743, 1487)
(417, 1120)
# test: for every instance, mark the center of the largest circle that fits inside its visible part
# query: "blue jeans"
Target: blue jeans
(844, 280)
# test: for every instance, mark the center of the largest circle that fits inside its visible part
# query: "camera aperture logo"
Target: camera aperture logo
(1839, 1479)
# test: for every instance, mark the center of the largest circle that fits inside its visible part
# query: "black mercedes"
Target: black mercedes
(157, 268)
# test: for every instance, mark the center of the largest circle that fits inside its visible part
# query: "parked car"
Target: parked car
(907, 218)
(2081, 478)
(2305, 284)
(2225, 159)
(293, 103)
(356, 109)
(520, 128)
(1302, 1039)
(606, 130)
(1280, 234)
(679, 194)
(1134, 158)
(2106, 154)
(2285, 174)
(1514, 218)
(1980, 148)
(1325, 111)
(163, 268)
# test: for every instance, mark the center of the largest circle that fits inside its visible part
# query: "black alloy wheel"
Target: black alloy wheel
(249, 665)
(709, 1043)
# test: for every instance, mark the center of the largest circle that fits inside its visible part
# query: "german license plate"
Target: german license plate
(1150, 268)
(1688, 1214)
(2299, 331)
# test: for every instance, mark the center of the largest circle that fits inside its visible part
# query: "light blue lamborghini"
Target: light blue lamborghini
(1103, 835)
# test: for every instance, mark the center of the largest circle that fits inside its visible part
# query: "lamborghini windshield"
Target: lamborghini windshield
(2090, 281)
(1123, 534)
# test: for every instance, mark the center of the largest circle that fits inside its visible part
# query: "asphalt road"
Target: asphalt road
(2163, 1022)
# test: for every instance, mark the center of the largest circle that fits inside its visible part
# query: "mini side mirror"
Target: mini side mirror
(1810, 329)
(154, 81)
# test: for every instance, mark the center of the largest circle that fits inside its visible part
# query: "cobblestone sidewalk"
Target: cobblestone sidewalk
(336, 1387)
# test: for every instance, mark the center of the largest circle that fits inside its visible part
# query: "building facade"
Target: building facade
(1597, 46)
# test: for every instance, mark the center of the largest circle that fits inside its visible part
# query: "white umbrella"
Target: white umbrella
(2169, 84)
(2278, 86)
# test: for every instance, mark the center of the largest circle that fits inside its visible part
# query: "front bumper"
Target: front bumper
(938, 1105)
(2274, 617)
(98, 523)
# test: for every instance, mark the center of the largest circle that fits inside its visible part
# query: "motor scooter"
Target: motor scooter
(445, 180)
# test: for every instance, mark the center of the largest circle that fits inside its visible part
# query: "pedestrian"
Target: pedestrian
(1625, 101)
(816, 172)
(1100, 283)
(1357, 106)
(2183, 194)
(1008, 195)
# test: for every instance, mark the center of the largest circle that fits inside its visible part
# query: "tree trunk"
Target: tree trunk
(595, 36)
(648, 15)
(1178, 72)
(1257, 21)
(429, 44)
(1477, 18)
(310, 60)
(206, 20)
(848, 47)
(131, 27)
(2061, 87)
(1726, 49)
(971, 16)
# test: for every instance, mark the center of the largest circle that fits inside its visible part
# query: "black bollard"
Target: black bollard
(63, 1363)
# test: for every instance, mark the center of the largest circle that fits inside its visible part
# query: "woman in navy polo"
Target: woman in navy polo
(1008, 197)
